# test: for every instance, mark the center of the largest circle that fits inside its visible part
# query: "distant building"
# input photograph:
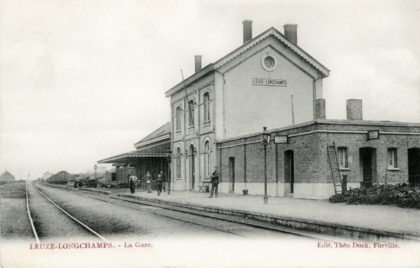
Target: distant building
(6, 177)
(46, 175)
(61, 177)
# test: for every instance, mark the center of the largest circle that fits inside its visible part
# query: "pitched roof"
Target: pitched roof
(7, 176)
(245, 47)
(158, 143)
(162, 132)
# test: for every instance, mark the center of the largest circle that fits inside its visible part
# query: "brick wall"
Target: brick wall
(354, 109)
(311, 165)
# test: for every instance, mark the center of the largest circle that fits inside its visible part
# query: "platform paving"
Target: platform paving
(400, 222)
(375, 217)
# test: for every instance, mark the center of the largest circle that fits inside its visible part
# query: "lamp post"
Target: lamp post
(168, 159)
(265, 136)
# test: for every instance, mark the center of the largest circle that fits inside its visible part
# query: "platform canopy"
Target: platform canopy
(125, 157)
(155, 145)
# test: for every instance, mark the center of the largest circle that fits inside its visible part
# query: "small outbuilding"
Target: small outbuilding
(6, 177)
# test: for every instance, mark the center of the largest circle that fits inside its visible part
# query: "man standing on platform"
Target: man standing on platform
(214, 182)
(132, 183)
(148, 180)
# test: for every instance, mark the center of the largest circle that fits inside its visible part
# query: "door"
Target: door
(414, 166)
(232, 173)
(368, 165)
(192, 166)
(289, 171)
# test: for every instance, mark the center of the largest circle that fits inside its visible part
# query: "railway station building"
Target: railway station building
(218, 114)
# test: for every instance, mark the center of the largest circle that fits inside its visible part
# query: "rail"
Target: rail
(30, 216)
(62, 210)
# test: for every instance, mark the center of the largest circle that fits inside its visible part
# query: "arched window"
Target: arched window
(206, 158)
(191, 113)
(178, 163)
(178, 116)
(206, 107)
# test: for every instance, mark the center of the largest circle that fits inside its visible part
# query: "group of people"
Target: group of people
(160, 182)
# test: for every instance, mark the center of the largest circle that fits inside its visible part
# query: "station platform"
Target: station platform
(377, 219)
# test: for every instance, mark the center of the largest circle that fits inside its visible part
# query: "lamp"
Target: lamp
(265, 137)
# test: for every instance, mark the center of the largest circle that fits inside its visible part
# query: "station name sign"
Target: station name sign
(373, 135)
(269, 82)
(280, 139)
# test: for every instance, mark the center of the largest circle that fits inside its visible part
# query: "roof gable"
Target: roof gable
(279, 36)
(244, 48)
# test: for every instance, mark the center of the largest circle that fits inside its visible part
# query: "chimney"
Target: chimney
(320, 109)
(290, 31)
(197, 60)
(354, 109)
(247, 26)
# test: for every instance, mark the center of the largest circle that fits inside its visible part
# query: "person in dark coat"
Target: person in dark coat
(214, 182)
(132, 183)
(160, 179)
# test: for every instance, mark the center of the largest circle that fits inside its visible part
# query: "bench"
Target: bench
(204, 184)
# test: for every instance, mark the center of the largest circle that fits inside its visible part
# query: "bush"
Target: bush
(337, 198)
(401, 195)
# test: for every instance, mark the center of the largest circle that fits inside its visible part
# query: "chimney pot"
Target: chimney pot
(320, 109)
(197, 60)
(247, 30)
(290, 31)
(354, 109)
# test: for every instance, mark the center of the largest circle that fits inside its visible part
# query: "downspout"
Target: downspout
(185, 149)
(223, 103)
(223, 123)
(198, 137)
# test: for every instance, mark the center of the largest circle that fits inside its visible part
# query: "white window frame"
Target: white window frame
(207, 158)
(178, 119)
(178, 164)
(392, 158)
(206, 107)
(268, 68)
(191, 106)
(343, 157)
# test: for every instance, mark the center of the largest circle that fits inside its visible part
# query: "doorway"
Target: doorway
(367, 158)
(192, 166)
(289, 171)
(232, 174)
(414, 166)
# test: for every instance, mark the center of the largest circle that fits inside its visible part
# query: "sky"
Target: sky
(84, 80)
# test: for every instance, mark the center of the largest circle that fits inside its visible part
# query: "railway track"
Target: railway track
(194, 217)
(200, 214)
(233, 219)
(59, 208)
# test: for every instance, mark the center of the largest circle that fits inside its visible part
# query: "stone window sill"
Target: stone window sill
(393, 169)
(344, 169)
